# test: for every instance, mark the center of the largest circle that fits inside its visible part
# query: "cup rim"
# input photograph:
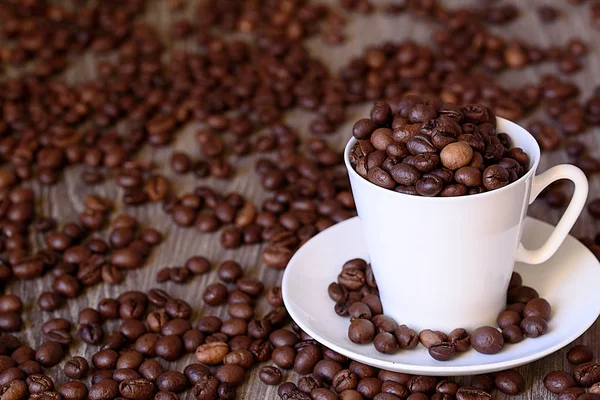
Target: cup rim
(534, 161)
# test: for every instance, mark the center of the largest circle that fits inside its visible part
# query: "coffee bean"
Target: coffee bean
(537, 307)
(442, 351)
(206, 388)
(571, 393)
(534, 326)
(39, 383)
(510, 382)
(212, 353)
(508, 317)
(76, 368)
(361, 331)
(104, 390)
(580, 354)
(421, 384)
(307, 384)
(49, 354)
(558, 381)
(522, 294)
(469, 393)
(231, 373)
(215, 294)
(73, 390)
(587, 374)
(306, 359)
(169, 348)
(487, 340)
(172, 381)
(151, 370)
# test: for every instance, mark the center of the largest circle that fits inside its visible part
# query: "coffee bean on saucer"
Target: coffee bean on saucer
(508, 317)
(513, 334)
(431, 338)
(442, 351)
(537, 307)
(487, 340)
(534, 326)
(522, 294)
(361, 331)
(385, 342)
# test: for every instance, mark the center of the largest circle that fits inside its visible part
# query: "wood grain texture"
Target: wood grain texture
(64, 200)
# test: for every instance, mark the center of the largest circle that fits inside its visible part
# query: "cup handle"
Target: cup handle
(575, 175)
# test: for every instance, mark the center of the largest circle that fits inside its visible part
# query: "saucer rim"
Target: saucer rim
(433, 370)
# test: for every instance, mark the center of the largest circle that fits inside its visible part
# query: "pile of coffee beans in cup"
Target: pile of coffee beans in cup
(422, 146)
(581, 382)
(356, 296)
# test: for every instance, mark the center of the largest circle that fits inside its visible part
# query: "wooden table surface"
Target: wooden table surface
(64, 200)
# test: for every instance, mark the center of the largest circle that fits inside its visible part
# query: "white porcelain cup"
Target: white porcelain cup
(445, 262)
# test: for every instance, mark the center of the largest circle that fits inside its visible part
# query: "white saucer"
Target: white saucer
(568, 281)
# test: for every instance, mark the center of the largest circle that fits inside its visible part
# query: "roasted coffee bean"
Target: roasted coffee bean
(137, 389)
(49, 354)
(231, 373)
(587, 374)
(73, 391)
(522, 294)
(508, 317)
(442, 351)
(307, 384)
(534, 326)
(270, 375)
(306, 359)
(580, 354)
(512, 334)
(469, 393)
(431, 338)
(487, 340)
(150, 370)
(421, 384)
(406, 337)
(105, 389)
(571, 393)
(537, 307)
(361, 331)
(172, 381)
(510, 382)
(558, 381)
(212, 353)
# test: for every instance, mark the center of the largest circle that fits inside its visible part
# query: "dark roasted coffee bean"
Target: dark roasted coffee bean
(487, 340)
(587, 374)
(510, 382)
(534, 326)
(76, 368)
(580, 354)
(172, 381)
(49, 354)
(558, 381)
(470, 393)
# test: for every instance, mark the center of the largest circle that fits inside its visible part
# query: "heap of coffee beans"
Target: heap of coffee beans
(429, 148)
(355, 295)
(582, 382)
